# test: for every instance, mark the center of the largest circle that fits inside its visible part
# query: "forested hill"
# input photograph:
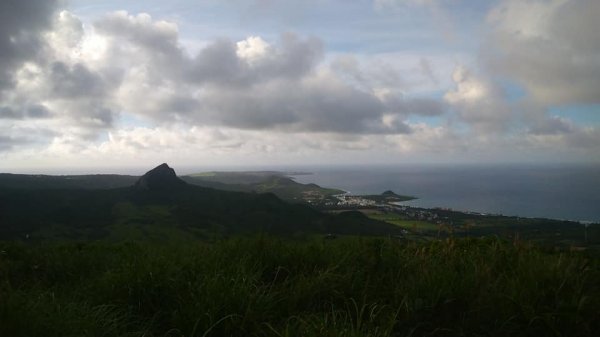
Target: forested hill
(160, 205)
(88, 181)
(274, 182)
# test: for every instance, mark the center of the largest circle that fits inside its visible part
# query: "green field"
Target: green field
(413, 225)
(549, 232)
(265, 286)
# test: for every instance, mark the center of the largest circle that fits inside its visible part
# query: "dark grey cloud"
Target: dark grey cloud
(249, 84)
(220, 63)
(154, 43)
(8, 143)
(94, 116)
(295, 57)
(46, 87)
(38, 111)
(27, 111)
(414, 106)
(7, 112)
(320, 104)
(17, 135)
(551, 126)
(424, 107)
(50, 76)
(141, 67)
(75, 81)
(21, 23)
(316, 105)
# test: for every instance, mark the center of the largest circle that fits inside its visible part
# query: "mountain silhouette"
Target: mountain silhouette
(159, 205)
(160, 178)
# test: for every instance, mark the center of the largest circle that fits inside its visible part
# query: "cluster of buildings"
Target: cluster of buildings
(340, 201)
(355, 201)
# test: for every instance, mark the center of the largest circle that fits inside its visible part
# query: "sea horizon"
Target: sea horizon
(564, 191)
(556, 191)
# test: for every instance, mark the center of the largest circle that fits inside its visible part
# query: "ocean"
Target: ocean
(560, 192)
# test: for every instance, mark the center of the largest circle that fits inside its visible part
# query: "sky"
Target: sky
(100, 85)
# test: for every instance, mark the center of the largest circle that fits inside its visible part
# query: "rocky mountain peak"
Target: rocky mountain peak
(161, 177)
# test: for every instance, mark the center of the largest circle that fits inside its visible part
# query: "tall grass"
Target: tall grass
(267, 286)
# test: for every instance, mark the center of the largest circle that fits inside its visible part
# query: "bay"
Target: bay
(551, 191)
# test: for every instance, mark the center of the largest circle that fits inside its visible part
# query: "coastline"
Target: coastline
(551, 193)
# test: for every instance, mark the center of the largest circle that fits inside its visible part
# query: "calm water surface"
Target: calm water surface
(561, 192)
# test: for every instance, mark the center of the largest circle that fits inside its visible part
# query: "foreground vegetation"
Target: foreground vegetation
(266, 286)
(546, 232)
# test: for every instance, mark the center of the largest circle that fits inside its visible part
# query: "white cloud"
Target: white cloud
(66, 87)
(478, 102)
(249, 84)
(252, 49)
(469, 90)
(549, 47)
(22, 24)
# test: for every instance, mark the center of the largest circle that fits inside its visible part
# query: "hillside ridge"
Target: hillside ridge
(160, 178)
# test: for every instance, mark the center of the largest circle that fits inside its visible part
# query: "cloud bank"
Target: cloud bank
(126, 84)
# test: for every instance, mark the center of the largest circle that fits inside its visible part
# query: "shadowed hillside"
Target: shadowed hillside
(274, 182)
(160, 205)
(88, 181)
